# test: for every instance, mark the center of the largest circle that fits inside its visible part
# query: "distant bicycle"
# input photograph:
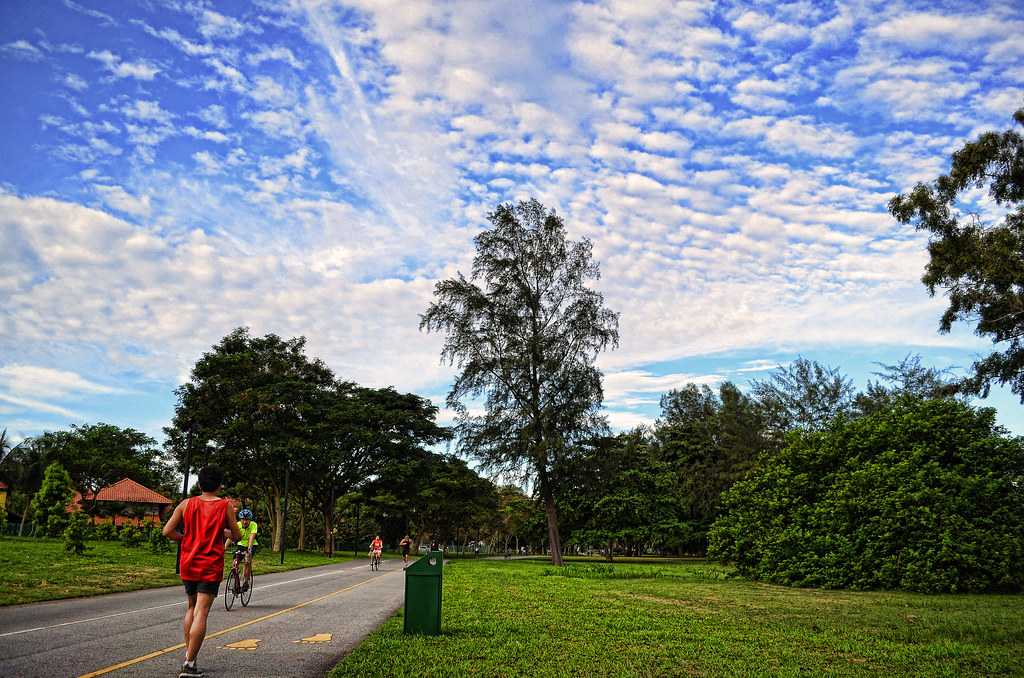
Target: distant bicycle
(374, 560)
(238, 585)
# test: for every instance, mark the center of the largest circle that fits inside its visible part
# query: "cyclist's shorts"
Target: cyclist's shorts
(375, 552)
(405, 550)
(194, 587)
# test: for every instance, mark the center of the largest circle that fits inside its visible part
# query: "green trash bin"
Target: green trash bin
(423, 595)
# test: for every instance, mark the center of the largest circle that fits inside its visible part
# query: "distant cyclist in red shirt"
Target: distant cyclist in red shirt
(205, 521)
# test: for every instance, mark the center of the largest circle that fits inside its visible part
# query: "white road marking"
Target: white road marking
(158, 607)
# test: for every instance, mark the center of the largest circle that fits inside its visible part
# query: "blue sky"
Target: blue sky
(171, 170)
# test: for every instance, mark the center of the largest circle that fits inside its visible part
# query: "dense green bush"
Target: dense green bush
(925, 495)
(75, 533)
(131, 536)
(106, 532)
(158, 543)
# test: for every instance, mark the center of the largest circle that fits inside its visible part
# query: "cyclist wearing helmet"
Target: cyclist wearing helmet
(247, 526)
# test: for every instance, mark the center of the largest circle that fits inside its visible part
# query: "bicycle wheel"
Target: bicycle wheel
(230, 586)
(247, 591)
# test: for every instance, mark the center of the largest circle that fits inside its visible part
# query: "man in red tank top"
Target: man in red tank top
(204, 522)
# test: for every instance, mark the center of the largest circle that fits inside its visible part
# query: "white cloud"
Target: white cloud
(105, 19)
(278, 53)
(149, 111)
(626, 421)
(22, 49)
(761, 365)
(728, 207)
(214, 25)
(46, 382)
(139, 70)
(75, 82)
(764, 28)
(207, 162)
(797, 135)
(214, 115)
(189, 47)
(622, 383)
(121, 200)
(33, 405)
(206, 134)
(927, 30)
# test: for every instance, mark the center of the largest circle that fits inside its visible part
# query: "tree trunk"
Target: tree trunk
(553, 536)
(302, 524)
(24, 516)
(275, 518)
(328, 511)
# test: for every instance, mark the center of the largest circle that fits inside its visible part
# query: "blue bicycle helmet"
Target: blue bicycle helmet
(245, 514)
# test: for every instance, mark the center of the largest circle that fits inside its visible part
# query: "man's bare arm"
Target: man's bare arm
(171, 526)
(232, 526)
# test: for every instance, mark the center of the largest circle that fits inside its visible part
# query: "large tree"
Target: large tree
(249, 407)
(977, 252)
(258, 406)
(524, 331)
(362, 437)
(710, 440)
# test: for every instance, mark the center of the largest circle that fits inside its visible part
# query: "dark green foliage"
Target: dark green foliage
(132, 536)
(49, 507)
(524, 332)
(106, 532)
(98, 455)
(258, 405)
(925, 495)
(158, 543)
(435, 494)
(908, 377)
(707, 442)
(804, 394)
(620, 495)
(979, 266)
(75, 533)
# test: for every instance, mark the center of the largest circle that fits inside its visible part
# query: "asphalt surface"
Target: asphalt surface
(298, 623)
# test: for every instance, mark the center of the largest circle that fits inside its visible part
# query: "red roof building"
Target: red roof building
(126, 501)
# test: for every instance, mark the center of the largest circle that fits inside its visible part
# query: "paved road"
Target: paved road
(139, 634)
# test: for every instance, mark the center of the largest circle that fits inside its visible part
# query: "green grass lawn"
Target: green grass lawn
(38, 569)
(513, 618)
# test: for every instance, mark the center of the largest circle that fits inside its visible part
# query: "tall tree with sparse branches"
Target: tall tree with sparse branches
(977, 257)
(804, 394)
(524, 331)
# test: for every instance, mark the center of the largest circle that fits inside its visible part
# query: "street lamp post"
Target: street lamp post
(355, 541)
(284, 520)
(184, 488)
(330, 552)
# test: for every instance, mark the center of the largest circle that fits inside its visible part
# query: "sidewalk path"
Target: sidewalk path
(299, 623)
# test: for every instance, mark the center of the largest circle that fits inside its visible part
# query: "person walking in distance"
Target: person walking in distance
(204, 522)
(405, 544)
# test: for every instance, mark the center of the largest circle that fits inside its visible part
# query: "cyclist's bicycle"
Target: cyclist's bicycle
(237, 584)
(375, 560)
